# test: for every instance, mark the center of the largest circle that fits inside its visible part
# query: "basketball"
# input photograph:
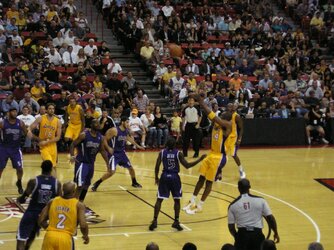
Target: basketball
(175, 50)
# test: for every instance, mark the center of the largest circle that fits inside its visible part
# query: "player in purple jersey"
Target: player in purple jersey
(114, 143)
(42, 189)
(88, 144)
(12, 129)
(170, 181)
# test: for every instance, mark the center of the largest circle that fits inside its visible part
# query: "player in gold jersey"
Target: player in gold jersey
(60, 218)
(49, 134)
(212, 165)
(75, 118)
(234, 139)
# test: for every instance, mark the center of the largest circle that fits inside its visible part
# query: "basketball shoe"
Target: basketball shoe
(194, 209)
(189, 205)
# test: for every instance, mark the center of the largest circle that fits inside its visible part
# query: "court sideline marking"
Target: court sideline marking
(316, 227)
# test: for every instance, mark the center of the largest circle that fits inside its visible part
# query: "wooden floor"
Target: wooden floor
(285, 177)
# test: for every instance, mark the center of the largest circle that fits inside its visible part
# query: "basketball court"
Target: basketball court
(296, 182)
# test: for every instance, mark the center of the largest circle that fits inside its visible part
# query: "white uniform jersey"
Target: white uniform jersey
(247, 211)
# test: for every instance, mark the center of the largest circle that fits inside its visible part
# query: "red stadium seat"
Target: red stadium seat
(60, 69)
(88, 96)
(168, 61)
(71, 70)
(91, 36)
(3, 96)
(55, 86)
(90, 78)
(105, 61)
(56, 97)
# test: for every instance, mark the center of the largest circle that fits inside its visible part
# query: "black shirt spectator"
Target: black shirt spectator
(51, 74)
(61, 104)
(114, 83)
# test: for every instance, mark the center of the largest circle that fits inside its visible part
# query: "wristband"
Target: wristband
(211, 115)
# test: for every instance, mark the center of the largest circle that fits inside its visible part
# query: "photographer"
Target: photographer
(315, 122)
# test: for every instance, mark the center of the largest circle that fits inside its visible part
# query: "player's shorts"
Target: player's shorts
(54, 240)
(83, 174)
(28, 226)
(170, 183)
(230, 146)
(119, 158)
(210, 165)
(72, 131)
(15, 156)
(49, 152)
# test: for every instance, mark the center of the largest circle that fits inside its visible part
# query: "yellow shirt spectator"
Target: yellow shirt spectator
(317, 21)
(37, 91)
(193, 84)
(168, 75)
(235, 83)
(12, 13)
(51, 14)
(97, 84)
(146, 51)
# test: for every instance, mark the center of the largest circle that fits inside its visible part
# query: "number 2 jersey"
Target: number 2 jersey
(45, 190)
(63, 215)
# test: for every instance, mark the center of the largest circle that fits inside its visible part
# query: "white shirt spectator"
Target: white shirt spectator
(55, 58)
(89, 49)
(176, 83)
(167, 10)
(135, 123)
(76, 48)
(310, 83)
(114, 68)
(27, 119)
(58, 41)
(145, 120)
(69, 58)
(106, 4)
(17, 40)
(69, 40)
(139, 24)
(159, 72)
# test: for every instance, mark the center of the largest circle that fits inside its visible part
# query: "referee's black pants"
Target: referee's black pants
(249, 239)
(191, 132)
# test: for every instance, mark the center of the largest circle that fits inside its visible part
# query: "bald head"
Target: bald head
(244, 186)
(69, 188)
(315, 246)
(152, 246)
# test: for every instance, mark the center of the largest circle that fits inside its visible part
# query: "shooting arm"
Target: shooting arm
(187, 164)
(240, 125)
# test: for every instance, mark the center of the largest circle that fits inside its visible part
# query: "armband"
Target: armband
(211, 115)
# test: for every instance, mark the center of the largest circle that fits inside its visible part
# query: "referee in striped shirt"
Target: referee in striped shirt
(191, 120)
(246, 213)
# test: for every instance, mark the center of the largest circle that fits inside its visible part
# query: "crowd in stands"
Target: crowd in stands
(236, 51)
(240, 52)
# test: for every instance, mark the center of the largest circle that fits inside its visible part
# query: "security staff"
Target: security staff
(246, 212)
(190, 124)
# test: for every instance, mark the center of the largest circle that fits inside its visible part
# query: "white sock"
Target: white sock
(241, 168)
(200, 204)
(193, 199)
